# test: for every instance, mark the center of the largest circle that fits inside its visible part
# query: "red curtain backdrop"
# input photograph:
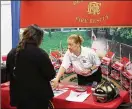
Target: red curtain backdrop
(75, 14)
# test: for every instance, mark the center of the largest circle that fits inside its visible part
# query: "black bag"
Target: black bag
(4, 73)
(105, 92)
(125, 106)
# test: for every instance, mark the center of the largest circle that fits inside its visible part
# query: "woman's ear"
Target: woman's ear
(78, 44)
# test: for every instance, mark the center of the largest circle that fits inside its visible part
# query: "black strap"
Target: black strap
(14, 68)
(51, 106)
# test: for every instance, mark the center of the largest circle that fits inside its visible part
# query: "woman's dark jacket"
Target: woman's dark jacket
(32, 75)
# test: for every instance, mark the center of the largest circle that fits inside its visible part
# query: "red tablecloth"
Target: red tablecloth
(60, 102)
(5, 98)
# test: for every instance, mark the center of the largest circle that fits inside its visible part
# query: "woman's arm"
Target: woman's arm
(46, 67)
(95, 61)
(65, 65)
(60, 73)
(55, 81)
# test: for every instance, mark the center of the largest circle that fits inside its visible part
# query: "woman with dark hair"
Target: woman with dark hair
(30, 72)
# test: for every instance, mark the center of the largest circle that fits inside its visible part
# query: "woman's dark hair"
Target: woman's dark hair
(32, 34)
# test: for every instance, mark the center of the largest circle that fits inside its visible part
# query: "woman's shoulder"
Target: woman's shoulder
(12, 51)
(68, 53)
(42, 52)
(88, 50)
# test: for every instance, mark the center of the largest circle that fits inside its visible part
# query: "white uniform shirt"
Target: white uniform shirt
(85, 60)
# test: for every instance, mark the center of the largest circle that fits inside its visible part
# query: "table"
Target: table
(60, 102)
(5, 99)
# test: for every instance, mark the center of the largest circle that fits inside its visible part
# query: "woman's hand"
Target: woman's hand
(54, 83)
(86, 72)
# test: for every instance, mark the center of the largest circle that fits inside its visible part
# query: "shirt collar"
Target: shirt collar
(82, 52)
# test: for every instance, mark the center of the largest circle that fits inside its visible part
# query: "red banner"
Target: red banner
(76, 13)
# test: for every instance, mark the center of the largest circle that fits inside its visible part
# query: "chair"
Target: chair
(56, 54)
(4, 58)
(106, 63)
(118, 67)
(125, 61)
(56, 58)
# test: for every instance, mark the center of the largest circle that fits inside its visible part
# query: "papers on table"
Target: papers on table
(77, 96)
(59, 91)
(81, 89)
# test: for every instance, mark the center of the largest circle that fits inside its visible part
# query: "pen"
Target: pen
(79, 94)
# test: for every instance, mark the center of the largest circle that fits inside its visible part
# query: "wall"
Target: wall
(76, 13)
(6, 27)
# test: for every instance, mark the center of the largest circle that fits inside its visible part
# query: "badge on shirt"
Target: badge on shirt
(84, 61)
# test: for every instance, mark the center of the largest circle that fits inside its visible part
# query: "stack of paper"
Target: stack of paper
(77, 96)
(59, 92)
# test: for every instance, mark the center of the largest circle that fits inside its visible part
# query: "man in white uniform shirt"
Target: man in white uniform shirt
(84, 61)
